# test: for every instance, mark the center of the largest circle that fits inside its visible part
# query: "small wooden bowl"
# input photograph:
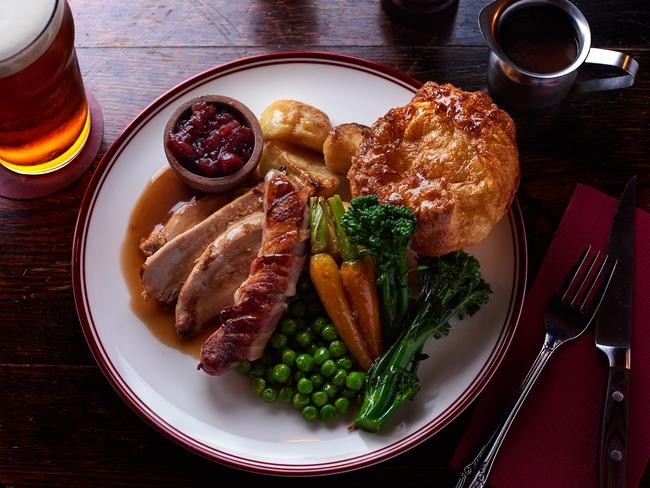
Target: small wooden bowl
(216, 184)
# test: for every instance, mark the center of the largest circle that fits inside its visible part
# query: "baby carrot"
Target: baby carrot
(359, 282)
(326, 279)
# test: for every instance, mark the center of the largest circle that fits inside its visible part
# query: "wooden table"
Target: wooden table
(61, 424)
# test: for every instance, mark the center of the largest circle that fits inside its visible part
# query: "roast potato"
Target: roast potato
(341, 144)
(295, 122)
(304, 165)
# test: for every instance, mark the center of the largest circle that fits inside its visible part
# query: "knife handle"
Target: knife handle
(613, 442)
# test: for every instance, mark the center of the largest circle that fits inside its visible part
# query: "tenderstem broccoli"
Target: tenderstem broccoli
(452, 286)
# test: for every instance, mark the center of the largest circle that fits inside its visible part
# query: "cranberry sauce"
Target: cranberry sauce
(211, 141)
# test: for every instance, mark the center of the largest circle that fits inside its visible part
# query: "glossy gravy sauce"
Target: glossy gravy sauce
(164, 192)
(539, 38)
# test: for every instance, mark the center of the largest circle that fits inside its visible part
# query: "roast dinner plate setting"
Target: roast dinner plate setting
(227, 240)
(396, 241)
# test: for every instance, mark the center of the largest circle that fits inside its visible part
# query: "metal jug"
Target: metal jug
(522, 89)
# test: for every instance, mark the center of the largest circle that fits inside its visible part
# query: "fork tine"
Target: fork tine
(594, 282)
(571, 276)
(600, 294)
(585, 278)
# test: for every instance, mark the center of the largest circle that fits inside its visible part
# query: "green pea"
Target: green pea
(281, 373)
(318, 324)
(243, 367)
(330, 390)
(339, 377)
(311, 349)
(337, 349)
(342, 405)
(298, 309)
(269, 395)
(320, 356)
(257, 370)
(310, 331)
(309, 412)
(305, 386)
(328, 368)
(303, 338)
(299, 400)
(319, 398)
(329, 333)
(355, 380)
(327, 412)
(347, 393)
(258, 384)
(344, 363)
(297, 375)
(317, 380)
(285, 394)
(304, 362)
(288, 326)
(278, 340)
(289, 357)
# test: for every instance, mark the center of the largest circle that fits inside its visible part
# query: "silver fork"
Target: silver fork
(567, 316)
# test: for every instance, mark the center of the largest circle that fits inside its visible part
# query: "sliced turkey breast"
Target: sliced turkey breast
(220, 270)
(182, 217)
(165, 271)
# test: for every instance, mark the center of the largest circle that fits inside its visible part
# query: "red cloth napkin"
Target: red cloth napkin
(554, 440)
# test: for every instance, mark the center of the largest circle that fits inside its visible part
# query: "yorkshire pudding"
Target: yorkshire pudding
(450, 156)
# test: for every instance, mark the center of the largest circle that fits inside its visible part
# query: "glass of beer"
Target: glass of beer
(44, 116)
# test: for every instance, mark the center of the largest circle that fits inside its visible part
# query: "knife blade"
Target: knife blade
(613, 339)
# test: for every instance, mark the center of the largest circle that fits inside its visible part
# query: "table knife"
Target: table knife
(613, 338)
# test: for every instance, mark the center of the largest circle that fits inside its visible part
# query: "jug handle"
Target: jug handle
(615, 59)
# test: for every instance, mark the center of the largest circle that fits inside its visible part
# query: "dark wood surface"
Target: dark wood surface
(61, 424)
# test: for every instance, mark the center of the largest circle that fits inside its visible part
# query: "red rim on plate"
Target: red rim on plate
(129, 396)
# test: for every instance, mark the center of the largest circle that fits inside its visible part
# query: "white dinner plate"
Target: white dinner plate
(219, 417)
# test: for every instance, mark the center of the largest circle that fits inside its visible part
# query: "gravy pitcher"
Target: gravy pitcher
(536, 48)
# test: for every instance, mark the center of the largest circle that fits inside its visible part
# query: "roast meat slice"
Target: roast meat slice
(183, 216)
(262, 298)
(220, 270)
(165, 271)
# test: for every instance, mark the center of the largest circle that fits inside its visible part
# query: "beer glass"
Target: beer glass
(44, 116)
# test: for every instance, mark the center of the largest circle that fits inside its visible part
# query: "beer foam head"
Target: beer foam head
(21, 22)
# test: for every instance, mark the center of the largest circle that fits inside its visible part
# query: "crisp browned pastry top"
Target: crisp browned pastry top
(449, 155)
